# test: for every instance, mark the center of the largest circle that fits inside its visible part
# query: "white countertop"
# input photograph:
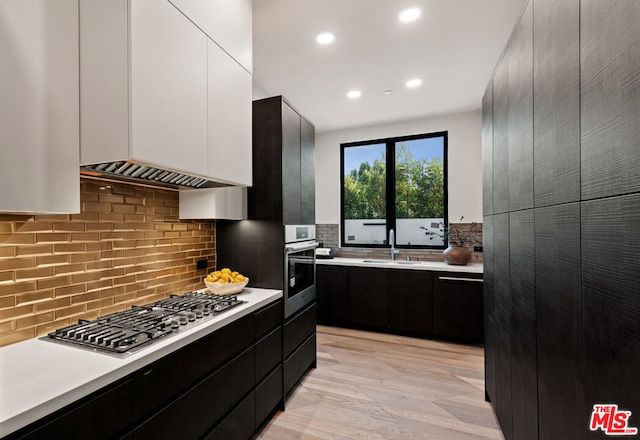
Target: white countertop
(38, 377)
(440, 266)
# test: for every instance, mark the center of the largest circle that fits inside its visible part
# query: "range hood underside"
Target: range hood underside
(149, 175)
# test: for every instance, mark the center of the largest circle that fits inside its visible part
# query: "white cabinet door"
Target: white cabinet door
(227, 22)
(229, 119)
(39, 106)
(168, 81)
(104, 76)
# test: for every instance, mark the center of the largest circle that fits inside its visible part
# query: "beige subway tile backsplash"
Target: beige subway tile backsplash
(126, 247)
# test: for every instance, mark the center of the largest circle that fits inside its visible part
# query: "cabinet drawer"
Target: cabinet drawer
(200, 408)
(239, 424)
(268, 318)
(268, 353)
(178, 371)
(298, 329)
(458, 306)
(110, 410)
(299, 363)
(268, 395)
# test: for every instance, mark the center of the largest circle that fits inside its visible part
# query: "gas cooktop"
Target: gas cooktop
(123, 333)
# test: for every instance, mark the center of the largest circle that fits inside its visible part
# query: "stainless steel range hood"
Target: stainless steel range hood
(137, 172)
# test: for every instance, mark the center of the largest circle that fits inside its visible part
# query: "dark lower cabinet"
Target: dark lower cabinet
(418, 302)
(298, 363)
(299, 346)
(223, 385)
(457, 306)
(203, 405)
(411, 301)
(332, 300)
(240, 423)
(103, 415)
(368, 293)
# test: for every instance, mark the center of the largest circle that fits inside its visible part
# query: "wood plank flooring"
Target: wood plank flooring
(378, 386)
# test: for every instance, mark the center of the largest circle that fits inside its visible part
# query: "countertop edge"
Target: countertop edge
(434, 266)
(114, 370)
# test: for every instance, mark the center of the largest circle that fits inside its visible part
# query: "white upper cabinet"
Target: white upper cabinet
(39, 107)
(168, 87)
(156, 90)
(144, 94)
(229, 119)
(227, 22)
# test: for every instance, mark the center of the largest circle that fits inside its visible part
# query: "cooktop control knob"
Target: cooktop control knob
(183, 319)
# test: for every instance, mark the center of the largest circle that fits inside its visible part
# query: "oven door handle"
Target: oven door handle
(298, 247)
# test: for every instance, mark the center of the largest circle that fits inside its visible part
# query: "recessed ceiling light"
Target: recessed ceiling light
(388, 92)
(412, 83)
(325, 38)
(353, 94)
(409, 15)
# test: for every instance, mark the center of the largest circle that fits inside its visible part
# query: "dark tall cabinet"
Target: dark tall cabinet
(283, 193)
(561, 205)
(284, 164)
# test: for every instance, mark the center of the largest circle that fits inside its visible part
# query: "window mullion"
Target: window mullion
(391, 187)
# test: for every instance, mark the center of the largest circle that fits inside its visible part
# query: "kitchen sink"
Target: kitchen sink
(377, 261)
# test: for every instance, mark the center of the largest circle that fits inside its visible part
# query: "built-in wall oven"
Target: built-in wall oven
(299, 267)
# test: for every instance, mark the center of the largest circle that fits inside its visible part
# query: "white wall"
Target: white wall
(464, 159)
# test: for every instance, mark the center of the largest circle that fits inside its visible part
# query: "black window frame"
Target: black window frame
(390, 192)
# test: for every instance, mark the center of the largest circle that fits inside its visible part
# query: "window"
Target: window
(399, 184)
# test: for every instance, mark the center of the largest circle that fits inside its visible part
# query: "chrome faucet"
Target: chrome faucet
(392, 242)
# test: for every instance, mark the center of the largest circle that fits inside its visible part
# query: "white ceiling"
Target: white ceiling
(453, 47)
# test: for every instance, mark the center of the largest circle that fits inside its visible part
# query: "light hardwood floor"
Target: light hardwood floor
(378, 386)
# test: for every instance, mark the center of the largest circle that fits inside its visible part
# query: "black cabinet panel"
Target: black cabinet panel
(291, 195)
(502, 295)
(457, 306)
(268, 318)
(239, 424)
(501, 137)
(202, 406)
(610, 97)
(487, 150)
(299, 362)
(523, 325)
(331, 293)
(489, 309)
(411, 300)
(520, 96)
(556, 95)
(269, 395)
(611, 301)
(559, 322)
(369, 297)
(283, 164)
(308, 175)
(188, 365)
(298, 328)
(264, 201)
(268, 353)
(104, 415)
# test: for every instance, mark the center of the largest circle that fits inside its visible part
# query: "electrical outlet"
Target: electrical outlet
(201, 264)
(477, 249)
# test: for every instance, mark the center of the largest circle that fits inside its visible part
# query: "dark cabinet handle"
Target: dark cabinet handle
(465, 280)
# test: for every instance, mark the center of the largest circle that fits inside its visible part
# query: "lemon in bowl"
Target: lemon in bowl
(225, 282)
